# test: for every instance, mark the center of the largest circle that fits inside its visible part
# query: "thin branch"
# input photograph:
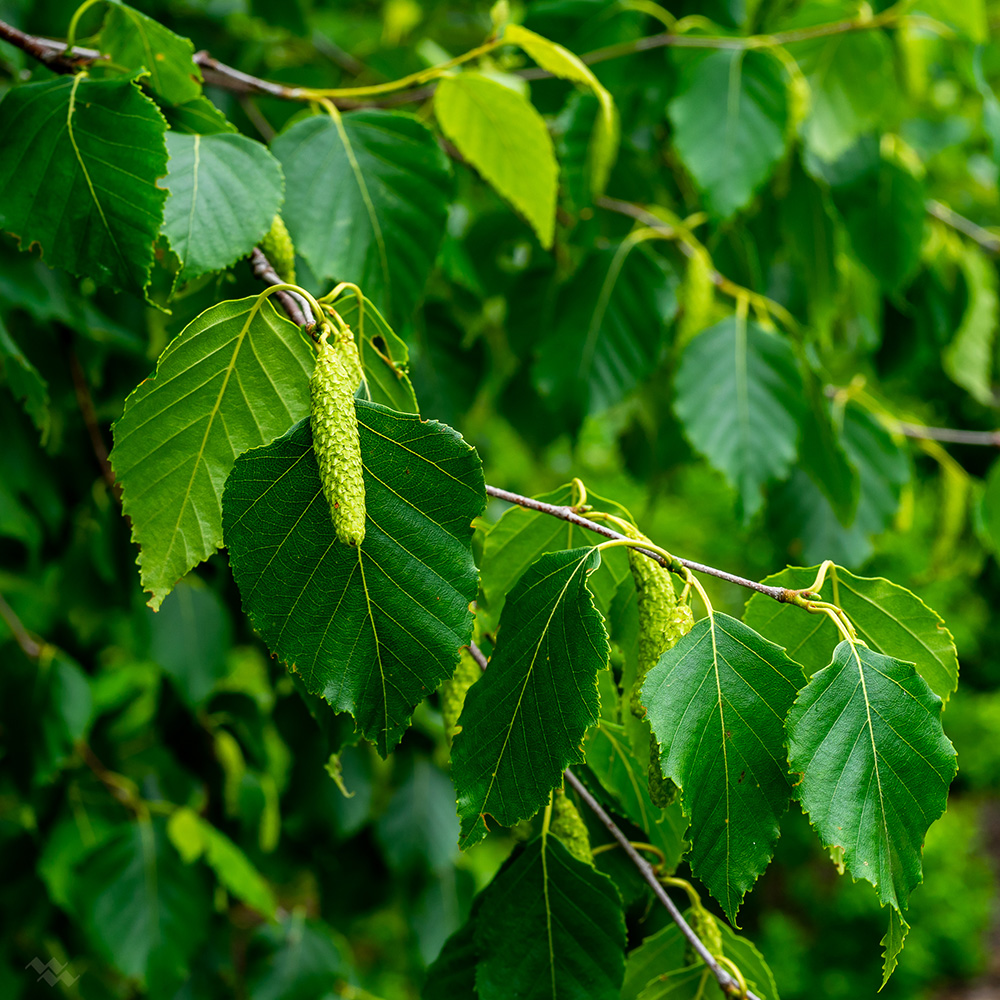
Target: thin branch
(86, 405)
(727, 983)
(952, 434)
(297, 308)
(22, 637)
(48, 53)
(478, 655)
(569, 514)
(987, 240)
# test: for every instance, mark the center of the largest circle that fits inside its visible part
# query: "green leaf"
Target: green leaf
(235, 377)
(968, 18)
(564, 64)
(189, 640)
(865, 735)
(452, 976)
(610, 757)
(374, 629)
(298, 959)
(224, 192)
(889, 618)
(524, 721)
(610, 329)
(523, 536)
(739, 397)
(25, 382)
(366, 200)
(730, 115)
(143, 909)
(198, 117)
(134, 41)
(716, 702)
(79, 160)
(968, 359)
(501, 134)
(549, 927)
(384, 356)
(893, 942)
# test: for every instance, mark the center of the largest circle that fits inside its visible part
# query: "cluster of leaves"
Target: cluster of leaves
(543, 312)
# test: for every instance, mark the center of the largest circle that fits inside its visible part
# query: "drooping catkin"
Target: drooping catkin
(567, 824)
(277, 247)
(452, 692)
(343, 341)
(337, 444)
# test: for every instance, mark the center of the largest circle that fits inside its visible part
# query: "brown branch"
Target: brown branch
(297, 308)
(51, 54)
(726, 982)
(478, 655)
(951, 434)
(86, 404)
(22, 637)
(943, 213)
(569, 514)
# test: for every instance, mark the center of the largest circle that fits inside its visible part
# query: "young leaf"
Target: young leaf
(865, 735)
(502, 135)
(610, 330)
(968, 359)
(549, 927)
(716, 702)
(372, 629)
(730, 114)
(524, 721)
(561, 62)
(366, 200)
(79, 160)
(237, 376)
(224, 191)
(134, 41)
(889, 618)
(739, 396)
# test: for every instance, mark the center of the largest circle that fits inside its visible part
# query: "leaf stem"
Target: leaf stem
(728, 983)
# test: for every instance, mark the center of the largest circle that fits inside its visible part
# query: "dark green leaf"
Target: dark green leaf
(79, 160)
(716, 703)
(373, 629)
(134, 41)
(235, 377)
(198, 117)
(824, 457)
(730, 115)
(224, 191)
(24, 381)
(739, 397)
(298, 959)
(523, 722)
(865, 735)
(366, 200)
(453, 974)
(610, 331)
(889, 618)
(550, 927)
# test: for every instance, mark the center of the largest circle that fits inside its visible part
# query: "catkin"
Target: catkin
(336, 442)
(343, 342)
(568, 826)
(277, 247)
(452, 692)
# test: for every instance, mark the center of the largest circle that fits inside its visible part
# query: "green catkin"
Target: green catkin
(568, 826)
(343, 341)
(452, 692)
(277, 247)
(706, 927)
(336, 442)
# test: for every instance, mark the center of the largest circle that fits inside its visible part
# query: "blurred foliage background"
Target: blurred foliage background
(854, 199)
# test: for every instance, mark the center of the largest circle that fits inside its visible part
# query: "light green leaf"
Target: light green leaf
(524, 721)
(224, 191)
(79, 160)
(549, 927)
(366, 200)
(373, 629)
(865, 735)
(134, 41)
(197, 117)
(235, 377)
(143, 909)
(739, 397)
(968, 359)
(610, 329)
(24, 381)
(716, 703)
(730, 116)
(622, 776)
(969, 17)
(564, 64)
(893, 942)
(889, 618)
(523, 536)
(502, 135)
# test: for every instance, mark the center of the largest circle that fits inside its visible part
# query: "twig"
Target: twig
(952, 434)
(297, 308)
(30, 648)
(986, 239)
(569, 514)
(478, 655)
(726, 981)
(48, 53)
(86, 404)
